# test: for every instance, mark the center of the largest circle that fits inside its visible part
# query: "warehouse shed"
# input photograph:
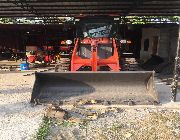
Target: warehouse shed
(161, 39)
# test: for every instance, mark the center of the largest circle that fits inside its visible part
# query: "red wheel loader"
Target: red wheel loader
(95, 72)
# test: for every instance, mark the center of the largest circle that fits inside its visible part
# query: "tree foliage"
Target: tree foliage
(152, 19)
(36, 20)
(60, 20)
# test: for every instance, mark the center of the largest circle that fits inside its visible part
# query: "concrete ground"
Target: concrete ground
(163, 88)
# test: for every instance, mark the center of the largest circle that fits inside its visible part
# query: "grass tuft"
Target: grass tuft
(44, 129)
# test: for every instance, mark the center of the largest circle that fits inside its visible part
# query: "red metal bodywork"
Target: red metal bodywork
(32, 58)
(47, 58)
(48, 48)
(95, 61)
(65, 48)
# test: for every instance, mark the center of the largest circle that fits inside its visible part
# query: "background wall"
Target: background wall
(167, 42)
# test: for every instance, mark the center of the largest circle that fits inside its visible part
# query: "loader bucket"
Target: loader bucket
(136, 87)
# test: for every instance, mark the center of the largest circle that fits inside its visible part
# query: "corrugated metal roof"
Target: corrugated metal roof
(57, 8)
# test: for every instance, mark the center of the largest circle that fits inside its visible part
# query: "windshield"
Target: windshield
(97, 30)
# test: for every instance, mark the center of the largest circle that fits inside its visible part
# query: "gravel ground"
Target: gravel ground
(18, 120)
(121, 124)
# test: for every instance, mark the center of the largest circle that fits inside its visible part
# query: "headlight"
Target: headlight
(69, 42)
(123, 41)
(129, 41)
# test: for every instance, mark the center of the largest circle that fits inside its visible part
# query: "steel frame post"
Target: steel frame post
(174, 85)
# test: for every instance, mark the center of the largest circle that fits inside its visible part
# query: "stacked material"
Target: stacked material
(63, 65)
(130, 64)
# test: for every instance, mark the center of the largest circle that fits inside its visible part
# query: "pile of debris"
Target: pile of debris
(152, 63)
(159, 65)
(76, 112)
(8, 68)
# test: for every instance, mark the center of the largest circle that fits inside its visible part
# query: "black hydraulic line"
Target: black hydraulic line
(174, 85)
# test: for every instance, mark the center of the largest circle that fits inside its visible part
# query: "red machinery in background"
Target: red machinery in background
(48, 57)
(34, 54)
(31, 58)
(31, 53)
(65, 46)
